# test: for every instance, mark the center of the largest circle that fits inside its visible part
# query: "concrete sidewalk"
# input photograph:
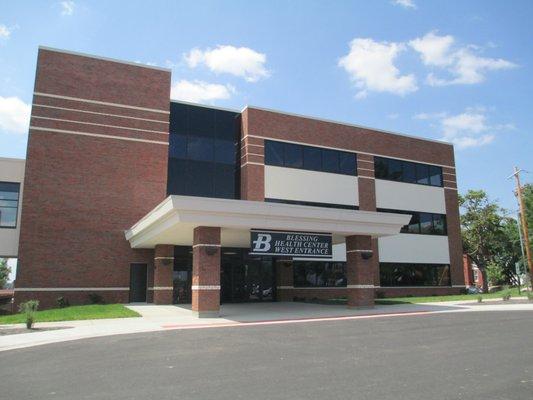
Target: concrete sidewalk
(157, 318)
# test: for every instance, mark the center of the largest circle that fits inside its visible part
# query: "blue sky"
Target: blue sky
(454, 70)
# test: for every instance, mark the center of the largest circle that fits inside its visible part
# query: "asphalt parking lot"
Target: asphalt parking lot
(476, 355)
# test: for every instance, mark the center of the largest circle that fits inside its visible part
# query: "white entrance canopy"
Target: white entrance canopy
(173, 221)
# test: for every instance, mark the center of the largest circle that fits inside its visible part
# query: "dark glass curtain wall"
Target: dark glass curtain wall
(203, 152)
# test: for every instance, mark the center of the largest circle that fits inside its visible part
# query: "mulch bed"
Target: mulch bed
(499, 302)
(16, 331)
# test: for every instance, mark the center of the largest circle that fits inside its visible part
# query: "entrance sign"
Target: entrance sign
(295, 244)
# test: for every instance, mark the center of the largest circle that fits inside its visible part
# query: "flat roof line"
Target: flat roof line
(345, 124)
(190, 103)
(75, 53)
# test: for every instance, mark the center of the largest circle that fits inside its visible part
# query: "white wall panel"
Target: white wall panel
(408, 196)
(407, 248)
(318, 187)
(11, 170)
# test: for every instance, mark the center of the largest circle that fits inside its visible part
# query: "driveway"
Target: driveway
(471, 355)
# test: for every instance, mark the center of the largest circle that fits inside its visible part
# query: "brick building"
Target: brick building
(137, 198)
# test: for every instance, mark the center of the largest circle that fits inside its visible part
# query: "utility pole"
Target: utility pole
(523, 219)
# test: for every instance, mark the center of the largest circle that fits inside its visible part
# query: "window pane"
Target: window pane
(177, 145)
(414, 224)
(435, 175)
(293, 156)
(398, 274)
(426, 223)
(381, 167)
(274, 153)
(225, 125)
(409, 172)
(9, 190)
(439, 224)
(319, 274)
(312, 158)
(201, 121)
(347, 163)
(225, 151)
(8, 217)
(199, 178)
(422, 174)
(200, 148)
(224, 182)
(177, 174)
(330, 161)
(395, 170)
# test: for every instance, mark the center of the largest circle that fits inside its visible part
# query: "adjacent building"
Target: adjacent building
(137, 198)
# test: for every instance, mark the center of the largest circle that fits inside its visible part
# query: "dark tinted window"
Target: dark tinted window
(401, 274)
(178, 146)
(9, 199)
(406, 171)
(225, 151)
(409, 172)
(200, 148)
(319, 274)
(330, 161)
(435, 176)
(274, 153)
(202, 152)
(312, 158)
(347, 163)
(424, 223)
(395, 170)
(293, 156)
(381, 168)
(422, 174)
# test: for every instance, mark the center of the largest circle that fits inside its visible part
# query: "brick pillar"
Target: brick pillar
(360, 271)
(163, 271)
(206, 271)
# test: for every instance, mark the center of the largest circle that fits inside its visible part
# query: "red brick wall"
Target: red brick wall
(83, 190)
(258, 124)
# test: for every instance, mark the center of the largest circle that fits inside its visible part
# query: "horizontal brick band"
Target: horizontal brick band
(98, 135)
(105, 103)
(205, 287)
(206, 245)
(359, 251)
(360, 287)
(70, 289)
(163, 258)
(161, 288)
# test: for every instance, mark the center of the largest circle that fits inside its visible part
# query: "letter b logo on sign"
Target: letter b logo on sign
(262, 243)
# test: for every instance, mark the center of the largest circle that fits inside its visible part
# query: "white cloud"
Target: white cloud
(467, 129)
(370, 65)
(239, 61)
(199, 91)
(433, 49)
(14, 115)
(5, 32)
(67, 7)
(405, 3)
(462, 66)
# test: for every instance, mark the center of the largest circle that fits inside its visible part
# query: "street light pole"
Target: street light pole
(523, 219)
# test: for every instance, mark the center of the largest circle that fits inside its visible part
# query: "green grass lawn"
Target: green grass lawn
(93, 311)
(432, 299)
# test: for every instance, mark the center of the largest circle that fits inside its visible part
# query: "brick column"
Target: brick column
(206, 271)
(360, 271)
(163, 271)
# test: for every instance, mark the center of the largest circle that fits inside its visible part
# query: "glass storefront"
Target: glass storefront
(243, 278)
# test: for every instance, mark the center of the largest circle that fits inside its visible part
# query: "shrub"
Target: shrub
(29, 308)
(506, 294)
(479, 298)
(495, 273)
(62, 302)
(96, 298)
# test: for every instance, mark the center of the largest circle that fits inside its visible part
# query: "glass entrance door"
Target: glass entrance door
(246, 278)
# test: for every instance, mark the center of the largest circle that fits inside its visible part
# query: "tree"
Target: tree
(4, 272)
(482, 229)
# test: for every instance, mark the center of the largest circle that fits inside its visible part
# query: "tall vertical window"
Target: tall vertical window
(9, 204)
